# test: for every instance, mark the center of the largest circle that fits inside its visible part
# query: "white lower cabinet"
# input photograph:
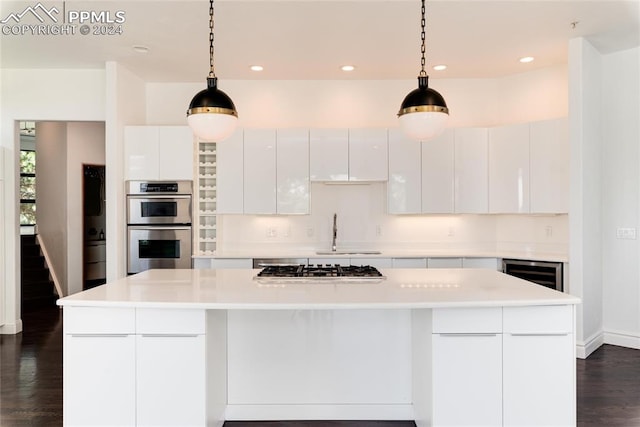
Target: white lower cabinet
(100, 371)
(467, 379)
(539, 366)
(467, 367)
(171, 380)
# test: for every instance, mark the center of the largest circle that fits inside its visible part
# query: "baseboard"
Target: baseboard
(622, 339)
(591, 344)
(11, 328)
(319, 412)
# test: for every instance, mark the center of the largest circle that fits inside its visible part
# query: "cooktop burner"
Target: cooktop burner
(319, 271)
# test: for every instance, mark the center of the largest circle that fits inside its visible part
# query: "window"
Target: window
(27, 187)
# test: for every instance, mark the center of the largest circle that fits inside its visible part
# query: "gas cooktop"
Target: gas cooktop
(308, 273)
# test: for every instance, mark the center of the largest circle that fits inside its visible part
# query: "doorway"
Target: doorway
(94, 272)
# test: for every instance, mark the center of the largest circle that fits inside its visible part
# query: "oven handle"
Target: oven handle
(159, 227)
(158, 196)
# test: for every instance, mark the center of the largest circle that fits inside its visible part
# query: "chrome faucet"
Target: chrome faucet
(335, 233)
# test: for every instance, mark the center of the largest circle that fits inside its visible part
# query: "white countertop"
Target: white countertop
(237, 289)
(392, 253)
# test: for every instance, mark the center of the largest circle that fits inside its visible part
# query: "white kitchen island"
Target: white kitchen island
(443, 347)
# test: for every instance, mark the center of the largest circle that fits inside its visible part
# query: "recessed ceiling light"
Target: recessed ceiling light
(526, 59)
(348, 68)
(140, 49)
(257, 68)
(440, 67)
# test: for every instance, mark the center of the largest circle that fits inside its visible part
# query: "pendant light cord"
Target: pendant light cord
(422, 37)
(212, 73)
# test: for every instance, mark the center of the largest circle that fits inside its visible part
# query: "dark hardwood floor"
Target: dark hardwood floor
(31, 382)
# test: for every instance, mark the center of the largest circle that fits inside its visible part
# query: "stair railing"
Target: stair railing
(52, 272)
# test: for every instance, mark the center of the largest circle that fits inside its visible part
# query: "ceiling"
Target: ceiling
(299, 39)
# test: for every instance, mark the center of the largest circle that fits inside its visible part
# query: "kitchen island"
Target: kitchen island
(441, 347)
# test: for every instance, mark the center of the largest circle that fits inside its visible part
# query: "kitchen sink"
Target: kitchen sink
(348, 252)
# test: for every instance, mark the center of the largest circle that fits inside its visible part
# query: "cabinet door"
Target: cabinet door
(176, 147)
(509, 169)
(467, 379)
(438, 173)
(230, 175)
(490, 263)
(539, 380)
(471, 171)
(171, 380)
(404, 186)
(329, 154)
(549, 150)
(368, 157)
(141, 153)
(259, 171)
(409, 262)
(99, 380)
(292, 171)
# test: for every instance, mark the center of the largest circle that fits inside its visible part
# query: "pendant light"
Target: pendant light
(423, 113)
(211, 114)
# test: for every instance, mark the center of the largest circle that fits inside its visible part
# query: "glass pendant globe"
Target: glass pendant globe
(423, 125)
(213, 127)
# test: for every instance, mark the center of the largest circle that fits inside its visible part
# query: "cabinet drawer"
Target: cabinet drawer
(95, 270)
(168, 322)
(467, 320)
(546, 319)
(99, 320)
(95, 252)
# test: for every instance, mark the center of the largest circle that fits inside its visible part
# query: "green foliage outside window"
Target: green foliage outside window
(27, 187)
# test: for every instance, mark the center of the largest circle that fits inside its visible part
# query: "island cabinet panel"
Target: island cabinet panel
(404, 186)
(539, 366)
(99, 366)
(465, 339)
(171, 380)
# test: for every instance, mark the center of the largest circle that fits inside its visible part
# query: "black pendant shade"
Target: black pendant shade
(423, 99)
(212, 100)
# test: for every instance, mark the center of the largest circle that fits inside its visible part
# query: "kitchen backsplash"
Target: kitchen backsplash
(364, 224)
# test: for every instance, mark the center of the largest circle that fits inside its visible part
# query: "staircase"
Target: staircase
(37, 288)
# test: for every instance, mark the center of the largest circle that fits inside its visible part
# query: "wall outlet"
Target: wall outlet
(378, 230)
(548, 231)
(451, 232)
(272, 232)
(626, 233)
(310, 232)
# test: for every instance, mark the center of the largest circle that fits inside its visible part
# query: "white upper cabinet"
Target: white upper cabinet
(471, 170)
(404, 185)
(259, 171)
(230, 174)
(292, 171)
(176, 146)
(158, 152)
(438, 173)
(549, 162)
(509, 169)
(368, 155)
(329, 154)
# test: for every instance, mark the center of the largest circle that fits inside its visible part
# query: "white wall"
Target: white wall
(621, 196)
(85, 144)
(585, 210)
(39, 95)
(51, 193)
(525, 97)
(125, 106)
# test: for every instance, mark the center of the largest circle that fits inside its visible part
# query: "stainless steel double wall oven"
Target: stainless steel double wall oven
(159, 233)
